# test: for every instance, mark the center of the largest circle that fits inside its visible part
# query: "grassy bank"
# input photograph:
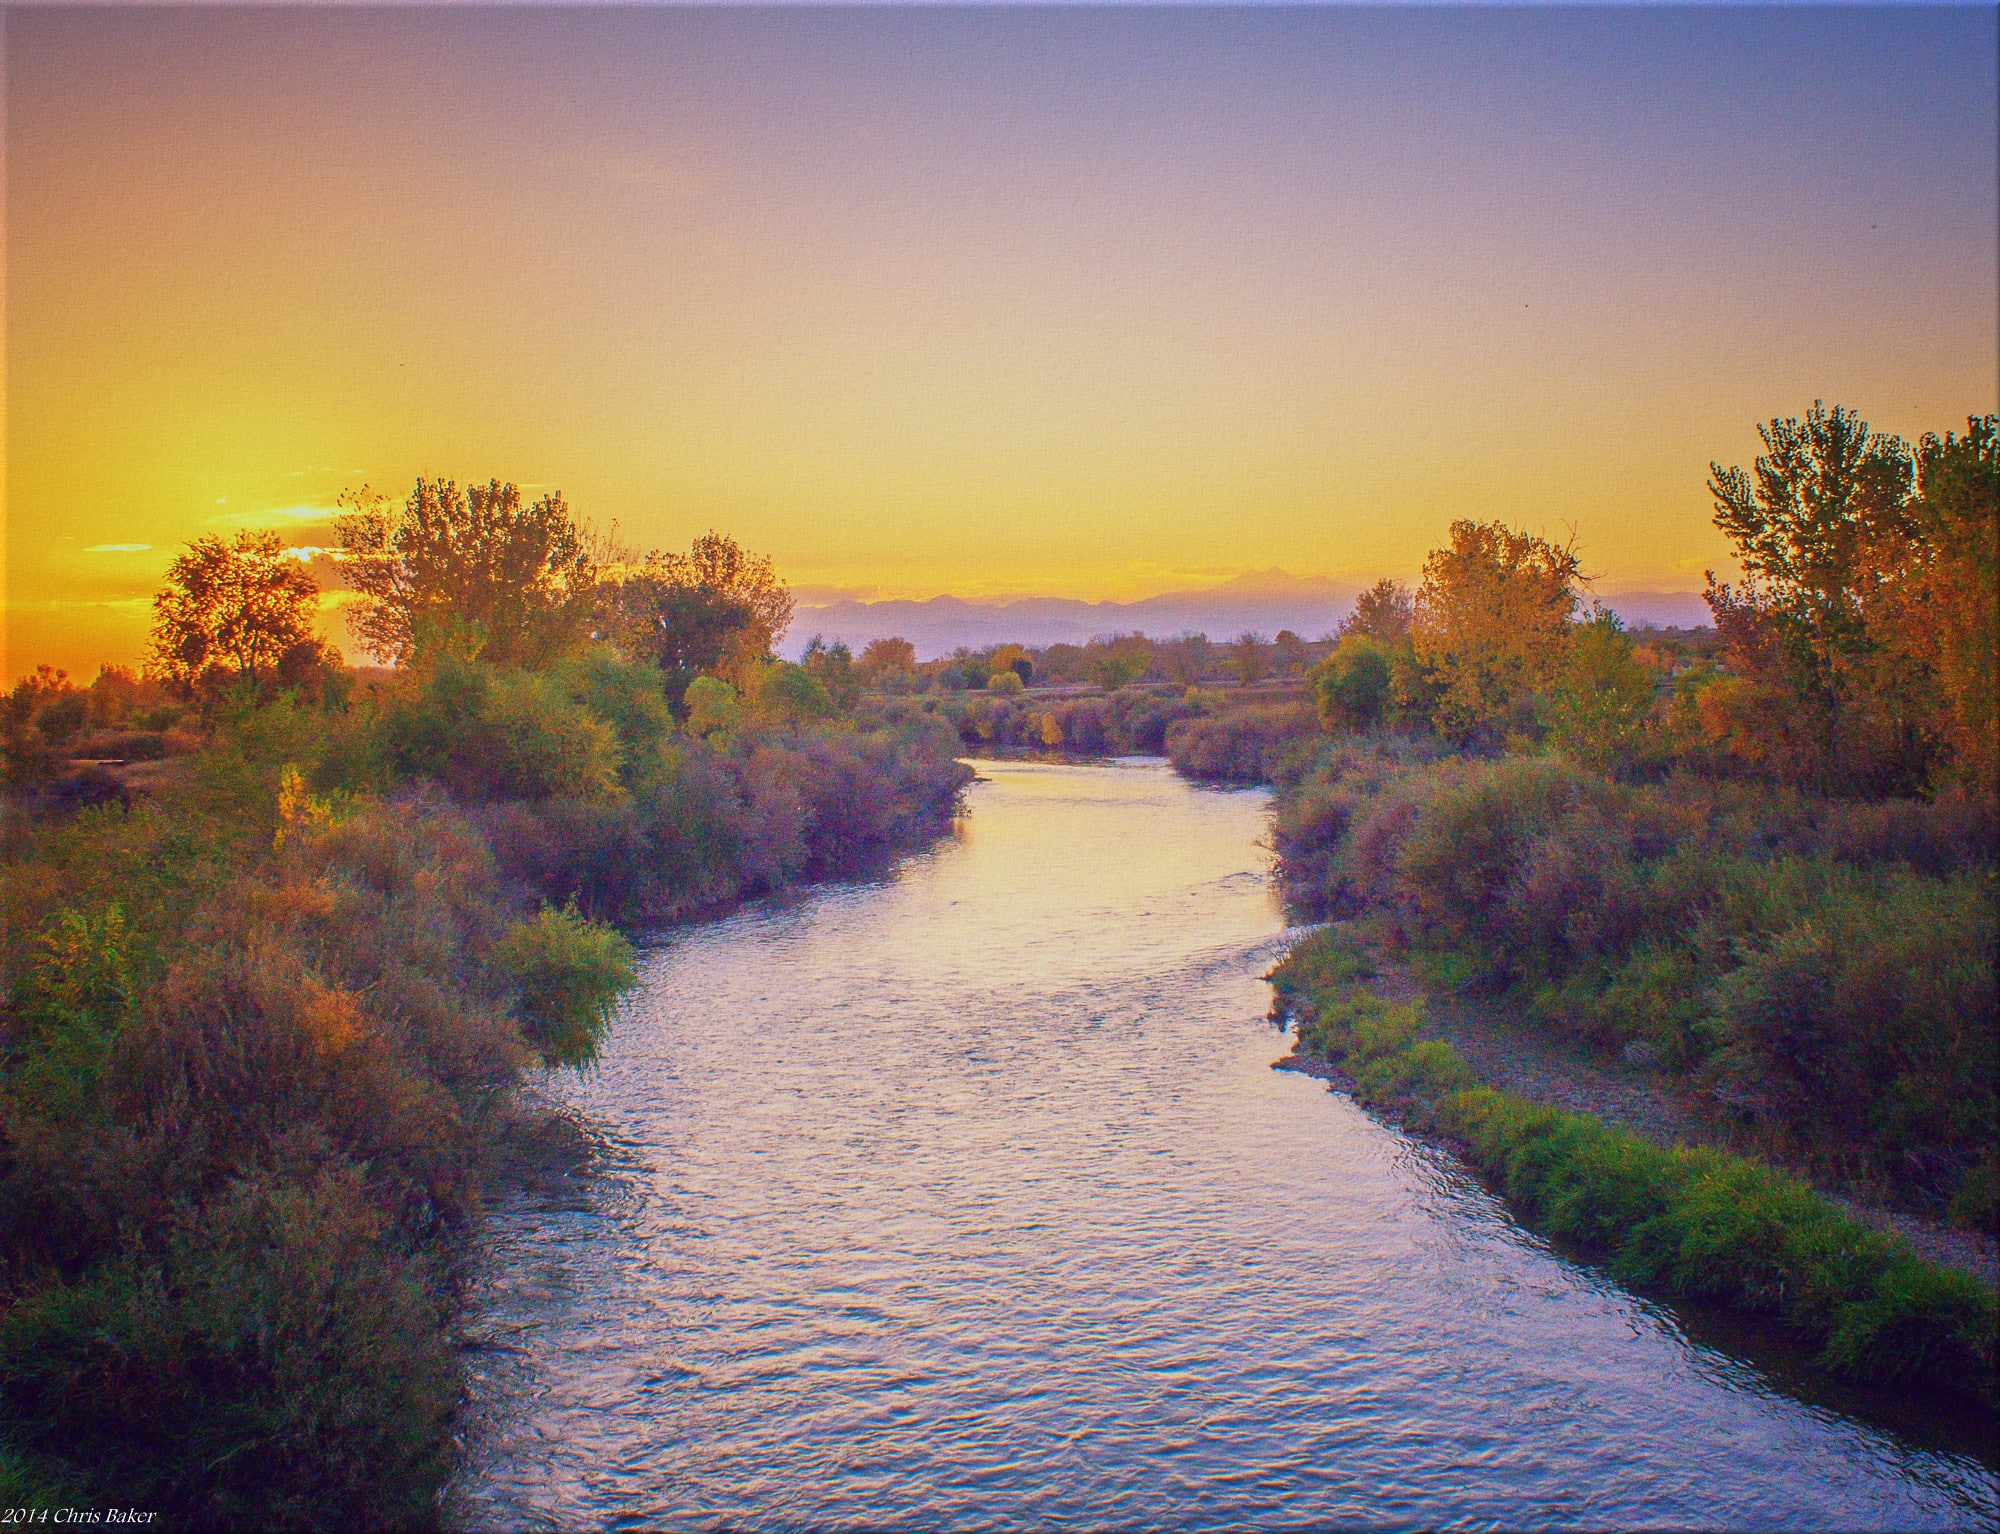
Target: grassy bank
(266, 1009)
(1819, 973)
(1693, 1222)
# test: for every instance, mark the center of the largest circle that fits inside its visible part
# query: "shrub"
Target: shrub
(1239, 745)
(1708, 1224)
(277, 1365)
(1878, 1008)
(501, 735)
(567, 974)
(1352, 686)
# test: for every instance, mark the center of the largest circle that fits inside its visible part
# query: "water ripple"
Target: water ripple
(967, 1199)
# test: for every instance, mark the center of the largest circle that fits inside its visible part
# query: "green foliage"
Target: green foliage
(1715, 1226)
(1694, 1222)
(261, 1025)
(713, 708)
(276, 1366)
(1875, 1010)
(682, 628)
(467, 575)
(832, 667)
(566, 974)
(1976, 1204)
(1324, 959)
(1598, 707)
(76, 994)
(631, 698)
(1824, 970)
(1116, 663)
(792, 695)
(1352, 686)
(504, 735)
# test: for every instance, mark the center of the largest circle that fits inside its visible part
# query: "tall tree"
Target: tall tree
(1490, 625)
(713, 609)
(1807, 524)
(476, 573)
(1186, 658)
(685, 630)
(1115, 662)
(1382, 613)
(885, 656)
(236, 609)
(1934, 613)
(1246, 658)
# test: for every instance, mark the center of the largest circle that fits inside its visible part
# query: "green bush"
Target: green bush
(1239, 745)
(1696, 1222)
(566, 974)
(1828, 970)
(1352, 687)
(501, 735)
(1878, 1007)
(275, 1367)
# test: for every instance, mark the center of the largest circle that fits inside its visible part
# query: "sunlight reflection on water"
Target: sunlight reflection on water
(967, 1199)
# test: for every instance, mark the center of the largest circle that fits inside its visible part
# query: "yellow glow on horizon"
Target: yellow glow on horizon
(918, 322)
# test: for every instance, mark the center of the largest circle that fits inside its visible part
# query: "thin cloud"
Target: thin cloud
(118, 548)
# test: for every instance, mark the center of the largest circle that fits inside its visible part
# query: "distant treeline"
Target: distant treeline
(281, 937)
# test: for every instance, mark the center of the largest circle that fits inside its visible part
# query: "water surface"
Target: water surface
(969, 1199)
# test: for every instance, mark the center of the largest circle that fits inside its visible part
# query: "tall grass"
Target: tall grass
(1692, 1222)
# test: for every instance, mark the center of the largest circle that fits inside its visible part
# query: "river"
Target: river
(968, 1198)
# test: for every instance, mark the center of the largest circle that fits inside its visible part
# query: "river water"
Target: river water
(968, 1198)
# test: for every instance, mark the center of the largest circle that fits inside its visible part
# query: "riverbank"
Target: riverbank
(1506, 1050)
(264, 1031)
(1690, 1220)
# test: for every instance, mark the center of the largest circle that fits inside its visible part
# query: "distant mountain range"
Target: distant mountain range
(1261, 602)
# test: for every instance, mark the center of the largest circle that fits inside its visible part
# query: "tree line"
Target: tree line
(1854, 656)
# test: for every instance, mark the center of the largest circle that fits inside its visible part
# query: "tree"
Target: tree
(715, 608)
(471, 573)
(1351, 687)
(713, 709)
(1011, 657)
(1186, 658)
(832, 666)
(1246, 658)
(881, 657)
(1490, 624)
(683, 629)
(1953, 587)
(1598, 706)
(721, 565)
(1382, 613)
(791, 693)
(236, 609)
(1112, 663)
(1291, 651)
(1808, 527)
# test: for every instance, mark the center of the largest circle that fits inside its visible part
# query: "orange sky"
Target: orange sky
(1093, 303)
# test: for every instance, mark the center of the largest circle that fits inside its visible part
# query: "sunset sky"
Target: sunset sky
(1084, 302)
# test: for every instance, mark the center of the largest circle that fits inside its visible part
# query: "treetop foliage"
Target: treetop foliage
(1490, 623)
(1862, 634)
(474, 573)
(715, 608)
(238, 608)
